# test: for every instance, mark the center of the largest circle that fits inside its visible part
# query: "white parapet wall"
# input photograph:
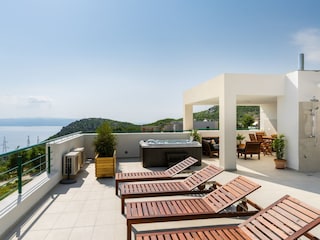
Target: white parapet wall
(14, 207)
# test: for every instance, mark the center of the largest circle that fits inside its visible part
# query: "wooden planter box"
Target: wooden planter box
(105, 166)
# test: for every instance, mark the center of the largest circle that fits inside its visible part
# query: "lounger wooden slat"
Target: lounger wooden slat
(298, 223)
(303, 219)
(168, 188)
(268, 224)
(276, 222)
(233, 191)
(227, 233)
(154, 175)
(208, 206)
(203, 175)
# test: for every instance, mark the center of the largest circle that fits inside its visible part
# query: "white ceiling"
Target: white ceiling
(243, 99)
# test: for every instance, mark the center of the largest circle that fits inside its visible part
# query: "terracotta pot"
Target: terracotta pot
(280, 163)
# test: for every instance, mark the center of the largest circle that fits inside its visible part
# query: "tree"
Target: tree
(105, 141)
(246, 121)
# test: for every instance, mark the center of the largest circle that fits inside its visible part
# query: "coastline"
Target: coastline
(13, 137)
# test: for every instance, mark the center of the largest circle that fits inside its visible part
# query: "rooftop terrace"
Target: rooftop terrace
(89, 208)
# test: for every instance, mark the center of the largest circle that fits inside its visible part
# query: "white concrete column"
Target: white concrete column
(228, 143)
(268, 118)
(188, 117)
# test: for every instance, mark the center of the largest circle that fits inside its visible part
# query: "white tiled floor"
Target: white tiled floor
(89, 208)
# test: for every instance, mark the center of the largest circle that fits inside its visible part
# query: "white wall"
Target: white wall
(255, 84)
(209, 90)
(188, 117)
(209, 133)
(15, 206)
(227, 126)
(288, 119)
(308, 85)
(60, 147)
(268, 118)
(128, 143)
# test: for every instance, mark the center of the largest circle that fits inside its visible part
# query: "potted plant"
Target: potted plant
(195, 136)
(279, 144)
(240, 137)
(105, 160)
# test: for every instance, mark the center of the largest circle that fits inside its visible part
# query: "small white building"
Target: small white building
(289, 105)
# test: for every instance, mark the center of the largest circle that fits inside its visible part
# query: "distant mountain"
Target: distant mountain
(91, 125)
(35, 121)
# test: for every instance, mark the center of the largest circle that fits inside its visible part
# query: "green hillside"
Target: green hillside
(91, 124)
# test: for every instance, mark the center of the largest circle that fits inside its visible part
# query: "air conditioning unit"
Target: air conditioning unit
(71, 164)
(81, 155)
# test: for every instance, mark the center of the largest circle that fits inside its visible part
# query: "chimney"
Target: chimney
(301, 62)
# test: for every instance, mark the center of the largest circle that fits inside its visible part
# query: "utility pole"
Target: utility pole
(4, 145)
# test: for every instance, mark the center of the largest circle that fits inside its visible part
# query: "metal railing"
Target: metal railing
(21, 166)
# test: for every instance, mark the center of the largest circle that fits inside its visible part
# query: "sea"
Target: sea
(13, 137)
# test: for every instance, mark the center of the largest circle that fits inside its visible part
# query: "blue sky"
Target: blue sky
(131, 60)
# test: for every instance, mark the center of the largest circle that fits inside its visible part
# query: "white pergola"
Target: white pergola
(278, 96)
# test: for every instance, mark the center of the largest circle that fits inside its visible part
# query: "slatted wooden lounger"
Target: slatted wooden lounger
(154, 175)
(287, 218)
(168, 188)
(209, 206)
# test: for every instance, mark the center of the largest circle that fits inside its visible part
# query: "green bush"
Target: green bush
(105, 141)
(279, 145)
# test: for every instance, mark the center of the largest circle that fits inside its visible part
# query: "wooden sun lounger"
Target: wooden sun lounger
(209, 206)
(287, 218)
(154, 175)
(168, 188)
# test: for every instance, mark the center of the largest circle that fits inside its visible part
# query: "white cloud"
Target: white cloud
(25, 100)
(25, 106)
(309, 42)
(8, 100)
(39, 100)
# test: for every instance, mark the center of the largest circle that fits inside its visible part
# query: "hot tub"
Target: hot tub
(165, 153)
